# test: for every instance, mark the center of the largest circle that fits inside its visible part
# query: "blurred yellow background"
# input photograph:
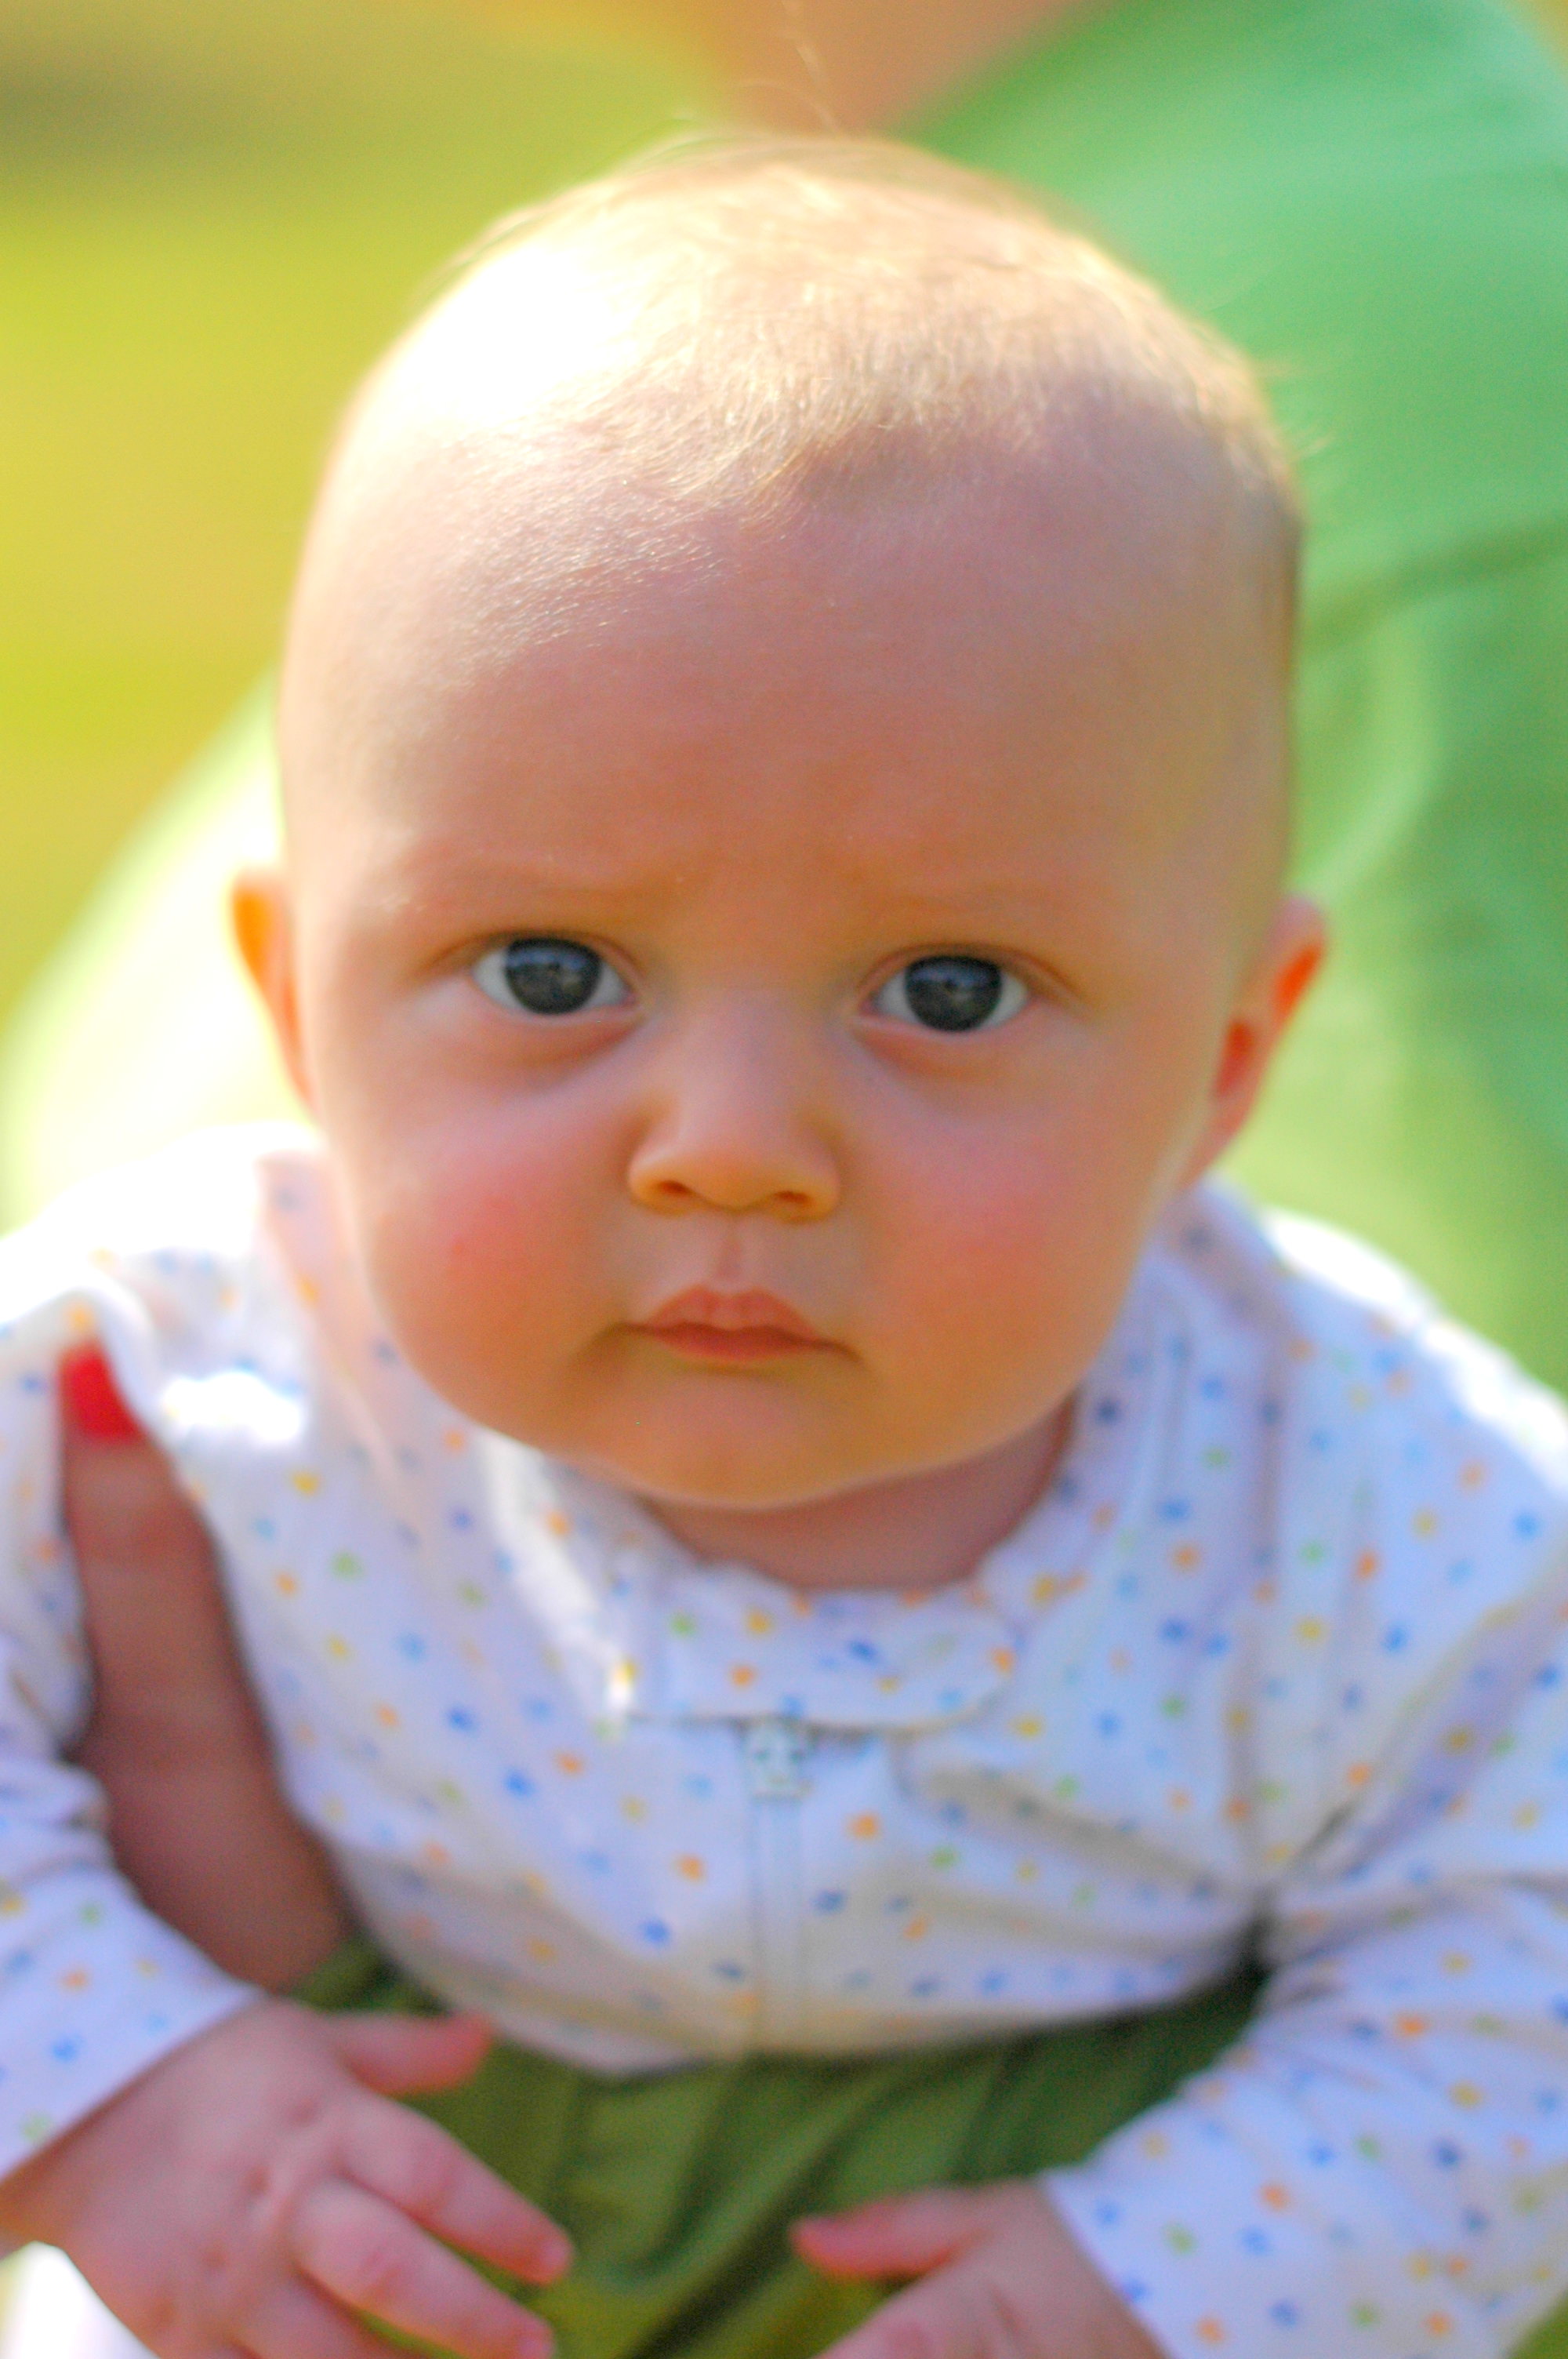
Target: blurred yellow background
(212, 212)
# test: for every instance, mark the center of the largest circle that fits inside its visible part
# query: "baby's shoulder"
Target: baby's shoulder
(1346, 1374)
(193, 1251)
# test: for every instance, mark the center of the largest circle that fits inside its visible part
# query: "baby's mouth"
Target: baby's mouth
(702, 1324)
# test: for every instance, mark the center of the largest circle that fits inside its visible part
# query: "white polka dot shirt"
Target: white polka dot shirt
(1275, 1669)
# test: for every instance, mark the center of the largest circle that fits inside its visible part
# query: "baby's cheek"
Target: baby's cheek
(483, 1264)
(1011, 1270)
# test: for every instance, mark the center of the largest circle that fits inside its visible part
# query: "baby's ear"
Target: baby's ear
(264, 928)
(1290, 956)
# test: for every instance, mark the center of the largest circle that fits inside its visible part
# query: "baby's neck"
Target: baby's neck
(917, 1532)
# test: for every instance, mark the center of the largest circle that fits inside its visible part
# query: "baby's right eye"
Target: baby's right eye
(545, 975)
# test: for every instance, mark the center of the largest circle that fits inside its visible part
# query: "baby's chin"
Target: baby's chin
(707, 1481)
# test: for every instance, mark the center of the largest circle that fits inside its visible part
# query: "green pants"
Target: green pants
(678, 2187)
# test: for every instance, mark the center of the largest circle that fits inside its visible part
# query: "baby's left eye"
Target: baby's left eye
(951, 993)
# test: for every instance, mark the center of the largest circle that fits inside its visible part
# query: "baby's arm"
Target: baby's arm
(228, 2172)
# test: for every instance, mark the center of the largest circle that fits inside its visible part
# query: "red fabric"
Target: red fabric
(90, 1398)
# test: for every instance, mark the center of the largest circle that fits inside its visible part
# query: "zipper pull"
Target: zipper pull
(776, 1755)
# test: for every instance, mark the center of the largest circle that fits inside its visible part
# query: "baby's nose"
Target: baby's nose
(736, 1124)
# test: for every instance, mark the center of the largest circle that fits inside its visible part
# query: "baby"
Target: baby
(804, 1570)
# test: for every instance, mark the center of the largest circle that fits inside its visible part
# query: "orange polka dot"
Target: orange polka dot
(287, 1583)
(556, 1523)
(1411, 2027)
(1210, 2330)
(865, 1826)
(76, 1978)
(1187, 1558)
(1438, 2321)
(1473, 1474)
(305, 1481)
(917, 1929)
(742, 1675)
(387, 1715)
(1357, 1773)
(691, 1867)
(570, 1765)
(1275, 2197)
(758, 1623)
(543, 1953)
(1002, 1660)
(1368, 1564)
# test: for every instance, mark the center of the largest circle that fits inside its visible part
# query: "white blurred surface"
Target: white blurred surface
(51, 2314)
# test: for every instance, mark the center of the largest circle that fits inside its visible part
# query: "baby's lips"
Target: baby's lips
(90, 1400)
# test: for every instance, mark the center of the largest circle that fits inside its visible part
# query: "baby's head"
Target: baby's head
(784, 748)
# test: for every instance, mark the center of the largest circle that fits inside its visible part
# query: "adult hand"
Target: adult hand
(999, 2276)
(255, 2195)
(176, 1740)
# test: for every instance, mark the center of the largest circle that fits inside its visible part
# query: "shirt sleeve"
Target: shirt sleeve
(1380, 2166)
(93, 1989)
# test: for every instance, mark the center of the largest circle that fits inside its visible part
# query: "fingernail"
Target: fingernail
(90, 1398)
(555, 2255)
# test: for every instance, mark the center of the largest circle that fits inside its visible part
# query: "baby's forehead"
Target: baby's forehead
(738, 326)
(920, 406)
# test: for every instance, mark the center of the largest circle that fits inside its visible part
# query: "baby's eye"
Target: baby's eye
(950, 992)
(546, 976)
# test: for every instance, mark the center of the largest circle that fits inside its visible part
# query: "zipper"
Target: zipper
(777, 1751)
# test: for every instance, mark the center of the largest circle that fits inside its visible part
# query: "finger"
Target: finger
(294, 2321)
(947, 2317)
(368, 2256)
(433, 2179)
(898, 2237)
(154, 1600)
(92, 1401)
(399, 2054)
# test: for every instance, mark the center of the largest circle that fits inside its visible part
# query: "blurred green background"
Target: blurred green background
(212, 212)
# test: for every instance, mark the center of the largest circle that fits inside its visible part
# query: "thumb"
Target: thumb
(898, 2237)
(399, 2055)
